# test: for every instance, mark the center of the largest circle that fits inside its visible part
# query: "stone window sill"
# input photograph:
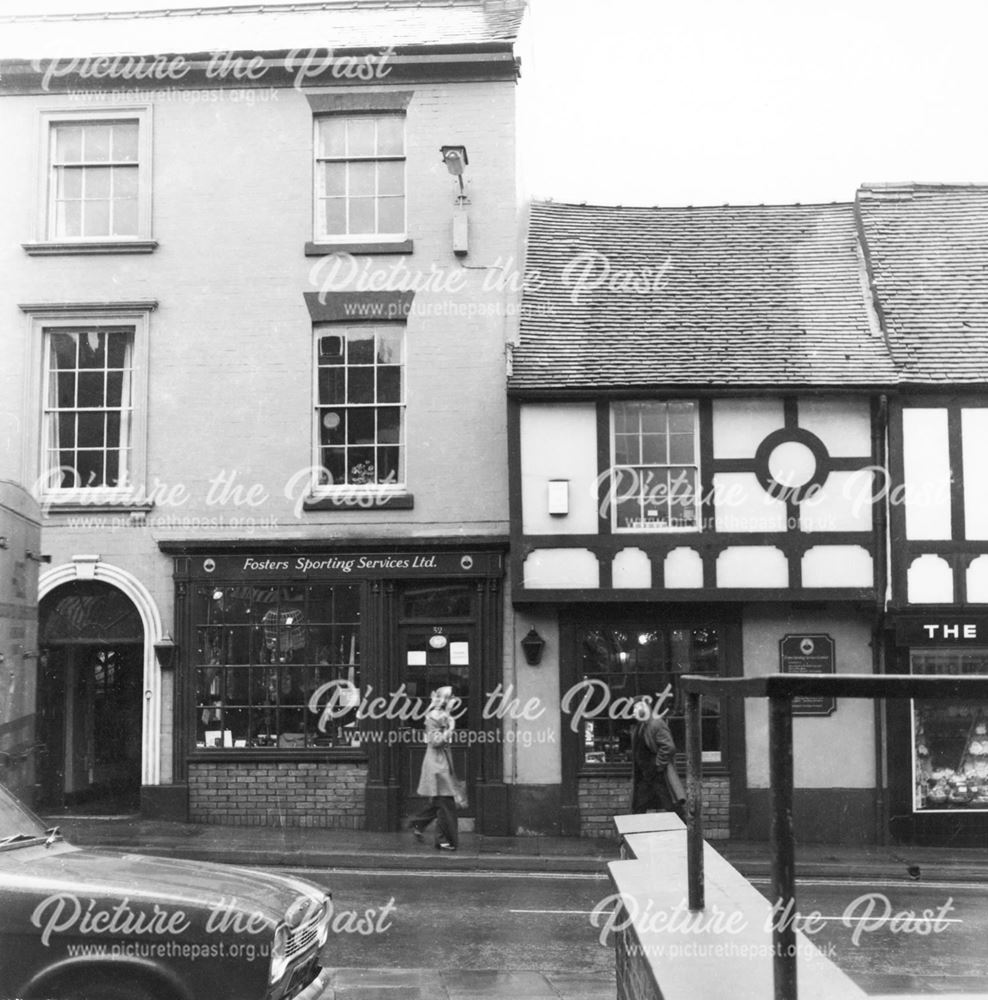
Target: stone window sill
(249, 754)
(325, 249)
(136, 509)
(354, 500)
(51, 248)
(614, 769)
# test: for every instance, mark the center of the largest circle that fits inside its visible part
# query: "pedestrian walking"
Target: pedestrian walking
(437, 780)
(654, 782)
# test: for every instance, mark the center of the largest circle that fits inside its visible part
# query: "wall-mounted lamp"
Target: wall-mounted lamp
(532, 646)
(455, 158)
(36, 557)
(164, 652)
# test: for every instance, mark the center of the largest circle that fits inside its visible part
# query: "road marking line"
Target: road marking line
(451, 873)
(880, 883)
(580, 913)
(816, 916)
(888, 920)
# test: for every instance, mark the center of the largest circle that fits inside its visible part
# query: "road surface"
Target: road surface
(896, 937)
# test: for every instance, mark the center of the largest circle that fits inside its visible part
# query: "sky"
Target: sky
(705, 102)
(700, 102)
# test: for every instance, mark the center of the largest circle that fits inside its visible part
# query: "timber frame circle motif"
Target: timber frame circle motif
(783, 491)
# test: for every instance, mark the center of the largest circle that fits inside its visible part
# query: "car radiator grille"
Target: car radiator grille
(302, 938)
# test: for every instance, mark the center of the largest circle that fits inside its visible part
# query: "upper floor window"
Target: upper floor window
(359, 405)
(360, 176)
(655, 466)
(97, 187)
(86, 438)
(88, 407)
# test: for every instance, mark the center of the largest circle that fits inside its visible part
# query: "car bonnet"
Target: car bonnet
(191, 885)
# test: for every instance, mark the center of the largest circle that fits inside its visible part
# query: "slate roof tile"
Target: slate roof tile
(927, 251)
(721, 296)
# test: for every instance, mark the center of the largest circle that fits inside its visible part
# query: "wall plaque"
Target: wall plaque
(809, 654)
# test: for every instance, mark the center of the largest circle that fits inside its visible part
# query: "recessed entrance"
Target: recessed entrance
(90, 684)
(438, 647)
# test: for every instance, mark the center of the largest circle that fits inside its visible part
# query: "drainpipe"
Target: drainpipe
(880, 529)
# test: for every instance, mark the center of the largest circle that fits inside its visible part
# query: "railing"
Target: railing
(780, 689)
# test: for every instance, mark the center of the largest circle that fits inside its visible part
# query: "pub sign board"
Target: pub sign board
(934, 630)
(809, 654)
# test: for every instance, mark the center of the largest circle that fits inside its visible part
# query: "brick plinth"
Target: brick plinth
(602, 798)
(289, 793)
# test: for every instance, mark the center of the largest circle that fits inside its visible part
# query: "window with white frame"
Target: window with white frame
(359, 176)
(88, 409)
(98, 176)
(655, 468)
(359, 397)
(87, 441)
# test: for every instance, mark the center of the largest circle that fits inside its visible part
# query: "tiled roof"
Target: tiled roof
(334, 24)
(927, 250)
(724, 296)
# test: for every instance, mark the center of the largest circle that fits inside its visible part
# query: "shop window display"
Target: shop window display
(621, 663)
(950, 738)
(277, 667)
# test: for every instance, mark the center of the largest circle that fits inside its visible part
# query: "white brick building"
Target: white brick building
(254, 333)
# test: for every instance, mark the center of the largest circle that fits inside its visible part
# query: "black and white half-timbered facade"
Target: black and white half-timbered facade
(927, 252)
(716, 416)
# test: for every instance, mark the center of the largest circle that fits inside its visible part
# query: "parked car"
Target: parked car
(79, 924)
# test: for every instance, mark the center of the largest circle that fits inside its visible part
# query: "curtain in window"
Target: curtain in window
(88, 408)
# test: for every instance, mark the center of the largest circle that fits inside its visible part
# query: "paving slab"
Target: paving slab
(350, 849)
(344, 978)
(494, 983)
(470, 984)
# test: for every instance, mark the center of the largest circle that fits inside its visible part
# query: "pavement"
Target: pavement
(318, 848)
(470, 984)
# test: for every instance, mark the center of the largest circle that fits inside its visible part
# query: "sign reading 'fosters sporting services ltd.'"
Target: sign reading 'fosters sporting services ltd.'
(348, 565)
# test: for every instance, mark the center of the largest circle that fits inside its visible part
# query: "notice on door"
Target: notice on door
(809, 654)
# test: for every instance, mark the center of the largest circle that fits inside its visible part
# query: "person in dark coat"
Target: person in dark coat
(652, 753)
(437, 782)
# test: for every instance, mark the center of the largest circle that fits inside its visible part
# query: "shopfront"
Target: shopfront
(610, 656)
(938, 749)
(303, 678)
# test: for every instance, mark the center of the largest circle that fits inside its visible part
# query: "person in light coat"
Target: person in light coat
(437, 781)
(654, 783)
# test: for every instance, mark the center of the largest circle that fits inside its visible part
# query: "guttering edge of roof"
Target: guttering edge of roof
(550, 203)
(704, 389)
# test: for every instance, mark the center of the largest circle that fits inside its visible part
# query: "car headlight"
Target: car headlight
(322, 930)
(279, 954)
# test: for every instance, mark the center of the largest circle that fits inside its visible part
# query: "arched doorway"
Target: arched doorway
(90, 686)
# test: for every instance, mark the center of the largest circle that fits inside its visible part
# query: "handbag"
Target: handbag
(460, 797)
(675, 786)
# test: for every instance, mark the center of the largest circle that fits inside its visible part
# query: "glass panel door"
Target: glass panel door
(433, 657)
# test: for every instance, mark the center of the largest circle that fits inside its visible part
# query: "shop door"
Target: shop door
(434, 656)
(90, 700)
(91, 724)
